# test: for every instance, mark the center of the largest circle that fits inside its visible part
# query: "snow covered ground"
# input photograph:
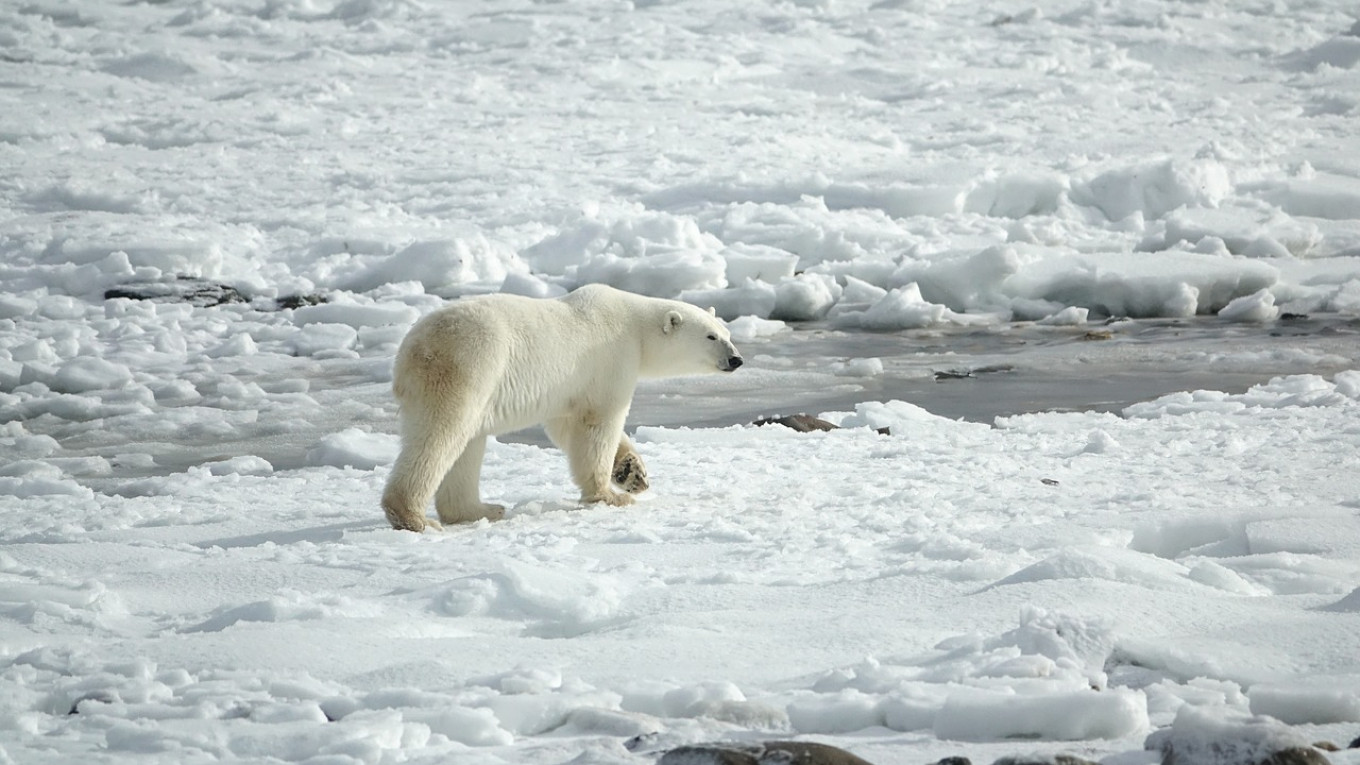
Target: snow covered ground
(1077, 535)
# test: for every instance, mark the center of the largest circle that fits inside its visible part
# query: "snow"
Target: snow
(1123, 238)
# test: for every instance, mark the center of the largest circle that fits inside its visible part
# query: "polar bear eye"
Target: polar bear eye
(712, 336)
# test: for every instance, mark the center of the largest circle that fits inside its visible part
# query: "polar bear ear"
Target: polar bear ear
(673, 320)
(712, 311)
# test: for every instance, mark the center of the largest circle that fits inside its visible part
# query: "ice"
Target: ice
(1313, 700)
(754, 300)
(1078, 282)
(440, 264)
(805, 297)
(902, 308)
(81, 375)
(1071, 316)
(1258, 306)
(758, 262)
(1221, 737)
(1340, 52)
(354, 448)
(1154, 189)
(1071, 716)
(751, 327)
(356, 316)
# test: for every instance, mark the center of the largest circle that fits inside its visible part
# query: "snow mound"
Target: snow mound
(441, 264)
(1154, 189)
(1208, 736)
(1072, 716)
(1280, 392)
(1311, 701)
(354, 448)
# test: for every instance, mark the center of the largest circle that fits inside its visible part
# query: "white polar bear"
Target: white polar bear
(493, 364)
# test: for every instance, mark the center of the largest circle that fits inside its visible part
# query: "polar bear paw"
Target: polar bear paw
(609, 497)
(416, 523)
(630, 474)
(477, 512)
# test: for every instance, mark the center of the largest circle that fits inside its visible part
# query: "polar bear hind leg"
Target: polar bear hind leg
(433, 442)
(458, 499)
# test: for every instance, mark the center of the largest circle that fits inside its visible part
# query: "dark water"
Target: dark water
(979, 374)
(976, 374)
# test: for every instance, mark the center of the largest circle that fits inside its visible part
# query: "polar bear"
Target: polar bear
(497, 363)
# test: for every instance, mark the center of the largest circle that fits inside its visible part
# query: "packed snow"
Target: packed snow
(1078, 281)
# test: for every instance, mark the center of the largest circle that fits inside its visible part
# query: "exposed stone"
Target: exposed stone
(298, 301)
(200, 293)
(193, 291)
(1296, 755)
(768, 753)
(1057, 759)
(966, 374)
(955, 760)
(803, 423)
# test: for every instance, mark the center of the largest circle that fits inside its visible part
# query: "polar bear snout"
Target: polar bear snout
(731, 363)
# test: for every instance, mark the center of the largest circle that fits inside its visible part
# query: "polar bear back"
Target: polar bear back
(530, 358)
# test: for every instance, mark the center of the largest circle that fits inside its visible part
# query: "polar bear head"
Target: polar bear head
(691, 341)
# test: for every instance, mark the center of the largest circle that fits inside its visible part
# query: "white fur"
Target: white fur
(498, 363)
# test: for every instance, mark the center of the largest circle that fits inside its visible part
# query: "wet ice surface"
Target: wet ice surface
(975, 374)
(979, 374)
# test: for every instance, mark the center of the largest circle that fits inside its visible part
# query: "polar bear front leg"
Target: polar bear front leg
(591, 445)
(630, 473)
(458, 499)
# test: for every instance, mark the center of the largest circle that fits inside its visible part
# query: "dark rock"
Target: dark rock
(803, 423)
(298, 301)
(200, 293)
(1098, 334)
(956, 760)
(1356, 743)
(94, 697)
(1296, 755)
(768, 753)
(642, 742)
(1287, 316)
(1049, 481)
(185, 289)
(965, 374)
(707, 755)
(1057, 759)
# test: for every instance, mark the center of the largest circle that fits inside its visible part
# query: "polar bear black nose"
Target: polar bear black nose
(734, 362)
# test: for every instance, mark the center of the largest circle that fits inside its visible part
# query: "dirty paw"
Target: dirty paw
(630, 474)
